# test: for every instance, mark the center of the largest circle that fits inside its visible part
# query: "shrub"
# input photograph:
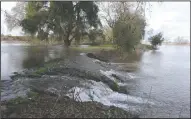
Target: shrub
(156, 40)
(128, 30)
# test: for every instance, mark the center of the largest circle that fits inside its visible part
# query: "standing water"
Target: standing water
(165, 76)
(162, 77)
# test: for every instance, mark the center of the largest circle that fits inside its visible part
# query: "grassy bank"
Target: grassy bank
(45, 42)
(42, 105)
(93, 48)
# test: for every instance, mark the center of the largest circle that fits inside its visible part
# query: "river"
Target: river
(160, 86)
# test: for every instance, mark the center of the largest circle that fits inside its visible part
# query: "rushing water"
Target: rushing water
(163, 77)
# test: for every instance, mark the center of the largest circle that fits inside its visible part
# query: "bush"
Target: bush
(156, 40)
(128, 31)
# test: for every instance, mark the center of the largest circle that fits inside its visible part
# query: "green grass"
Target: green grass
(44, 69)
(18, 100)
(115, 86)
(36, 41)
(41, 70)
(94, 48)
(32, 95)
(148, 47)
(145, 46)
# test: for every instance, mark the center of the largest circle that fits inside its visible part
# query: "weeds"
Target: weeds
(17, 100)
(115, 86)
(41, 70)
(32, 95)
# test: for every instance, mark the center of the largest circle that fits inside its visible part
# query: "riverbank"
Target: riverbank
(88, 78)
(46, 83)
(49, 86)
(46, 106)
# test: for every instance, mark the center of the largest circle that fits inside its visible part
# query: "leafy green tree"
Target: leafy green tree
(128, 31)
(90, 19)
(126, 23)
(67, 20)
(156, 40)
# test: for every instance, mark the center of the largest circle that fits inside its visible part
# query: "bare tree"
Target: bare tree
(17, 13)
(112, 10)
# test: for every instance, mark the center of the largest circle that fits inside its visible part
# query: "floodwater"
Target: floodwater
(162, 78)
(165, 75)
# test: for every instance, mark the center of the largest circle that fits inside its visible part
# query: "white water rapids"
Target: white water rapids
(100, 92)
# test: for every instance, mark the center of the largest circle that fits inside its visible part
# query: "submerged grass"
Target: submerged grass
(115, 86)
(46, 67)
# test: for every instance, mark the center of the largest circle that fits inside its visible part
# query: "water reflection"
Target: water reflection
(167, 70)
(15, 58)
(35, 57)
(134, 57)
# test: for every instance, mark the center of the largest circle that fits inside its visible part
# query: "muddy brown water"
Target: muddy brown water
(163, 75)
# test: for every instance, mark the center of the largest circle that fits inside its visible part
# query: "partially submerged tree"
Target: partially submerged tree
(156, 40)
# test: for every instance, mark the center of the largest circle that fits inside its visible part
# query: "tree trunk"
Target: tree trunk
(67, 43)
(78, 27)
(77, 37)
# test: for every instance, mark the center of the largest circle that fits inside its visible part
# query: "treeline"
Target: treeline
(119, 23)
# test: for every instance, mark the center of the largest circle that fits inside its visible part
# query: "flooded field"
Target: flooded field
(159, 87)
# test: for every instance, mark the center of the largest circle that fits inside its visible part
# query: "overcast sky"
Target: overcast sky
(171, 18)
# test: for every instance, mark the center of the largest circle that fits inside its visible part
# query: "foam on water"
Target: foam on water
(100, 92)
(96, 61)
(108, 74)
(82, 54)
(125, 76)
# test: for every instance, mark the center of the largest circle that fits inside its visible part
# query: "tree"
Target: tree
(94, 34)
(128, 27)
(180, 40)
(73, 19)
(128, 33)
(126, 23)
(88, 20)
(14, 18)
(156, 40)
(67, 20)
